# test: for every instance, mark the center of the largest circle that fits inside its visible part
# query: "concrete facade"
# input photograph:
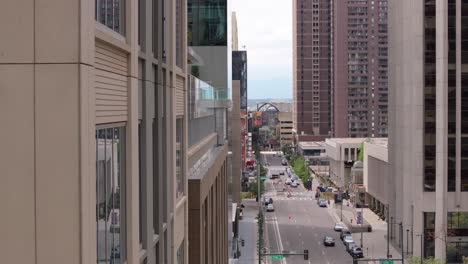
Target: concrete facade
(342, 153)
(359, 68)
(65, 78)
(285, 128)
(427, 132)
(377, 178)
(311, 69)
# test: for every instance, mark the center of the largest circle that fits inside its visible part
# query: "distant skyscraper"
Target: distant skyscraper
(311, 69)
(359, 68)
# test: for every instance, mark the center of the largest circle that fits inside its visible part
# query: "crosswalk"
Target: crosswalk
(298, 196)
(294, 198)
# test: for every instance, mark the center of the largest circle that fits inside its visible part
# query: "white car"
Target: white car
(339, 227)
(270, 208)
(294, 184)
(288, 181)
(347, 240)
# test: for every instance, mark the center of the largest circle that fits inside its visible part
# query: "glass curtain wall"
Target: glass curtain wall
(429, 95)
(110, 195)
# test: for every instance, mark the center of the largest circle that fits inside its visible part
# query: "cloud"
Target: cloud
(265, 28)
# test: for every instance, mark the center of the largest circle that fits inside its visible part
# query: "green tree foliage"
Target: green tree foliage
(417, 260)
(361, 153)
(253, 188)
(300, 167)
(260, 241)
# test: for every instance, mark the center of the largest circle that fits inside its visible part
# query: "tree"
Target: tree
(417, 260)
(253, 188)
(300, 168)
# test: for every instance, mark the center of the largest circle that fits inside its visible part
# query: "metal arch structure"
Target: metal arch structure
(262, 105)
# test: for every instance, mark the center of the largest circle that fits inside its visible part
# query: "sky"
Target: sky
(265, 29)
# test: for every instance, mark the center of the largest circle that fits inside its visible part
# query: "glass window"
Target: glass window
(464, 99)
(207, 23)
(110, 195)
(180, 174)
(141, 24)
(429, 226)
(111, 13)
(457, 224)
(155, 30)
(180, 254)
(179, 31)
(142, 181)
(429, 98)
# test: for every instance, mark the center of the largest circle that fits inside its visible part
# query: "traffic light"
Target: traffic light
(242, 242)
(306, 254)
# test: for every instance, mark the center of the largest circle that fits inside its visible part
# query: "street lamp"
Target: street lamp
(422, 246)
(407, 241)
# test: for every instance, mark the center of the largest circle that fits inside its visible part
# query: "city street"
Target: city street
(298, 223)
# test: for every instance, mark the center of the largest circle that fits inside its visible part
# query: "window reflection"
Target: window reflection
(110, 200)
(179, 157)
(429, 97)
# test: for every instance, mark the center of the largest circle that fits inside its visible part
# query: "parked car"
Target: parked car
(347, 240)
(294, 184)
(284, 162)
(321, 189)
(328, 241)
(266, 200)
(274, 174)
(350, 246)
(270, 208)
(356, 252)
(288, 181)
(322, 202)
(344, 233)
(294, 177)
(339, 227)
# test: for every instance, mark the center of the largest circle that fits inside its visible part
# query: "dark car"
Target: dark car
(356, 252)
(344, 233)
(322, 189)
(328, 241)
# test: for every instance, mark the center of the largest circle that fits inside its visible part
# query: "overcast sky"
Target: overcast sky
(265, 28)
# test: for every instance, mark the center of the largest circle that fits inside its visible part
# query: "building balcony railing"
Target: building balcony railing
(204, 98)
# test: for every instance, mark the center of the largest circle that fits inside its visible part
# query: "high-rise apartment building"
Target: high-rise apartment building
(359, 68)
(209, 101)
(428, 150)
(311, 69)
(94, 134)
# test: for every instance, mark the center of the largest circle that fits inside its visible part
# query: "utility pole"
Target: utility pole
(402, 248)
(260, 215)
(407, 241)
(341, 211)
(422, 245)
(388, 231)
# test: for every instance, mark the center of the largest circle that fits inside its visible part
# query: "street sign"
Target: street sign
(277, 257)
(386, 261)
(359, 218)
(263, 178)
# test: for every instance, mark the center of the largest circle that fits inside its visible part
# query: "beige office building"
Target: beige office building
(428, 62)
(285, 128)
(93, 132)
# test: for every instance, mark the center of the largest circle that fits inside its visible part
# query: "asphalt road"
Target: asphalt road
(298, 223)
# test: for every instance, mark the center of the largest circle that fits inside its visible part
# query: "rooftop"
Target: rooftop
(311, 144)
(348, 140)
(381, 142)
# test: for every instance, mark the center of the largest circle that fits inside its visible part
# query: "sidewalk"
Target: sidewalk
(375, 242)
(248, 232)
